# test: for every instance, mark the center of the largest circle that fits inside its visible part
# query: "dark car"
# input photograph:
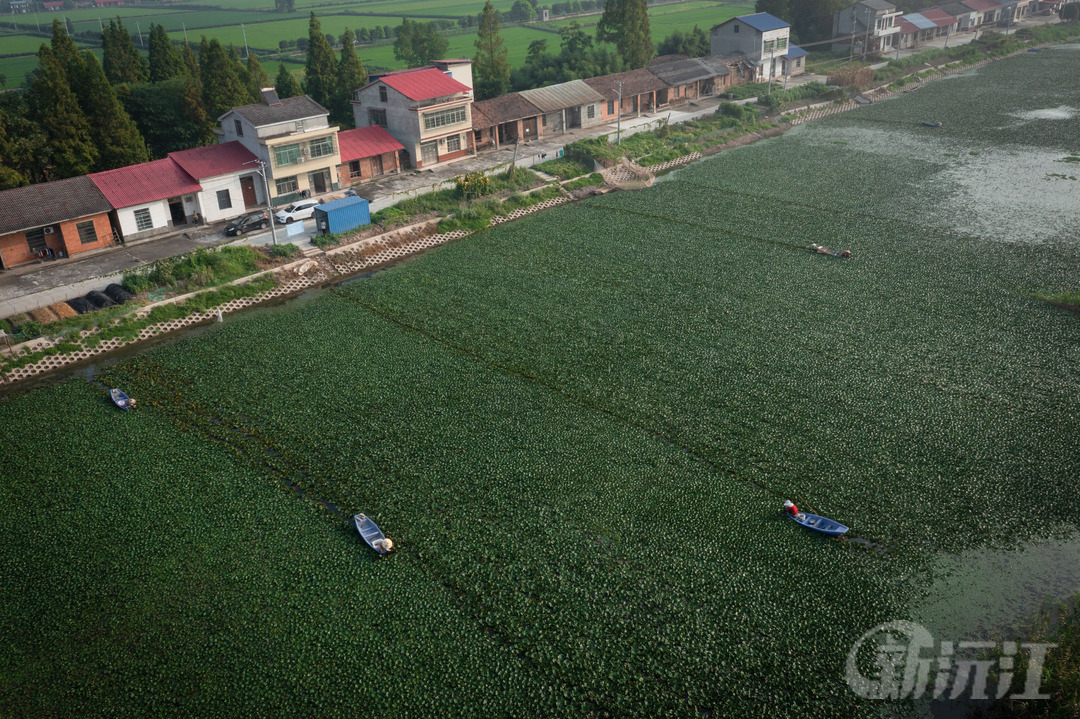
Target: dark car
(247, 223)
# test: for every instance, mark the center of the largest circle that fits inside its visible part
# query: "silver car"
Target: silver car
(296, 211)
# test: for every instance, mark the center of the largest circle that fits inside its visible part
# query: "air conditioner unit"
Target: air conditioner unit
(49, 230)
(307, 150)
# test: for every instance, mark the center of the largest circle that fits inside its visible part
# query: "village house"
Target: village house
(987, 10)
(869, 25)
(914, 29)
(565, 106)
(688, 78)
(228, 177)
(148, 199)
(53, 219)
(292, 138)
(945, 23)
(367, 153)
(425, 109)
(629, 94)
(966, 18)
(755, 46)
(504, 120)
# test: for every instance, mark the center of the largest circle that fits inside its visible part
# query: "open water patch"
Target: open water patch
(1062, 112)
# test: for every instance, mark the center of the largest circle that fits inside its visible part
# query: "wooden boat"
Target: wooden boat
(931, 124)
(818, 524)
(372, 534)
(121, 400)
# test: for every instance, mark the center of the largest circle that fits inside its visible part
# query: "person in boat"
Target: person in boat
(822, 250)
(131, 403)
(790, 508)
(385, 544)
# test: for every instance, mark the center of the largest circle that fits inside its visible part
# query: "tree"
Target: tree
(22, 143)
(169, 115)
(320, 71)
(65, 50)
(776, 8)
(284, 5)
(257, 78)
(350, 76)
(286, 83)
(575, 43)
(522, 11)
(222, 87)
(123, 63)
(165, 61)
(626, 24)
(69, 150)
(189, 65)
(696, 44)
(418, 44)
(112, 130)
(492, 68)
(537, 50)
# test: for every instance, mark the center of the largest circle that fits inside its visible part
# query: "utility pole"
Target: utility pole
(247, 53)
(866, 42)
(266, 184)
(184, 25)
(141, 44)
(618, 120)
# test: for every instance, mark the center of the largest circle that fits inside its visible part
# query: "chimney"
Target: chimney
(269, 96)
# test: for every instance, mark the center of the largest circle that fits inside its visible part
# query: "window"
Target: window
(453, 144)
(239, 128)
(87, 233)
(285, 185)
(287, 154)
(442, 118)
(543, 121)
(781, 43)
(36, 239)
(736, 27)
(322, 147)
(382, 94)
(354, 169)
(591, 112)
(768, 46)
(224, 201)
(142, 219)
(377, 117)
(611, 107)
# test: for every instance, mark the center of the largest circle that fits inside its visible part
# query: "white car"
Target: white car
(296, 211)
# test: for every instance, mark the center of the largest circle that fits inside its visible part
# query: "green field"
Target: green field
(578, 428)
(666, 19)
(28, 44)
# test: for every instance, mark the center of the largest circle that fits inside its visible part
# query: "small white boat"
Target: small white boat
(372, 534)
(121, 400)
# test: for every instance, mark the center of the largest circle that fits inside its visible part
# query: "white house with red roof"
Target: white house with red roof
(367, 152)
(149, 198)
(228, 176)
(425, 109)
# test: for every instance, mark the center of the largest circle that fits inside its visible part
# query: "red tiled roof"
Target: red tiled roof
(938, 16)
(424, 84)
(53, 5)
(214, 160)
(906, 28)
(981, 5)
(366, 142)
(137, 184)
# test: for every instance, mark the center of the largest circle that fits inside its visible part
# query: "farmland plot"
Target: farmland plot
(578, 428)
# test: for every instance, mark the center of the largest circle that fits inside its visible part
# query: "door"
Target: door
(376, 166)
(318, 181)
(429, 153)
(528, 126)
(176, 209)
(247, 187)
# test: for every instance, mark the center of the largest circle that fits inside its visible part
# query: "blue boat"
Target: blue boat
(818, 524)
(372, 534)
(121, 400)
(931, 124)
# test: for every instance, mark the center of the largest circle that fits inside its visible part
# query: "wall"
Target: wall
(208, 203)
(389, 167)
(14, 249)
(597, 117)
(159, 215)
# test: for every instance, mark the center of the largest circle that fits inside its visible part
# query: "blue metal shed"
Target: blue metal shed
(343, 215)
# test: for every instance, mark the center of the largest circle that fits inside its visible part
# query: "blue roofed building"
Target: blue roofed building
(756, 47)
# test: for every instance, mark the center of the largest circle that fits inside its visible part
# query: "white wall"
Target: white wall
(159, 215)
(208, 202)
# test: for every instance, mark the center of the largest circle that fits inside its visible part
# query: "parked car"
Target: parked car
(246, 223)
(296, 211)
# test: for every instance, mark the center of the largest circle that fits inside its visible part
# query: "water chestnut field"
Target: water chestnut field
(578, 428)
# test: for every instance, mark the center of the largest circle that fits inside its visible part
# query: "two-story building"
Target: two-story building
(424, 109)
(759, 41)
(294, 140)
(868, 25)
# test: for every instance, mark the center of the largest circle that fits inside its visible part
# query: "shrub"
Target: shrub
(564, 168)
(287, 250)
(472, 184)
(594, 179)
